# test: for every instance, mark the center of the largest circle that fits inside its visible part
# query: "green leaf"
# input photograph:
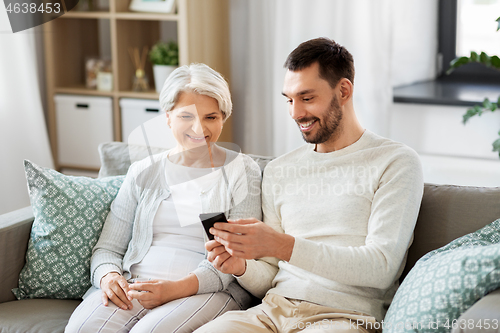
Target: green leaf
(493, 107)
(485, 59)
(495, 61)
(496, 145)
(457, 62)
(498, 20)
(476, 110)
(474, 56)
(165, 54)
(486, 103)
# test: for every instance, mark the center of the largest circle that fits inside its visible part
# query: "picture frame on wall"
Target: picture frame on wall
(153, 6)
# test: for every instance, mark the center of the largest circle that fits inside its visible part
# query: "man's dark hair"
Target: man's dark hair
(335, 62)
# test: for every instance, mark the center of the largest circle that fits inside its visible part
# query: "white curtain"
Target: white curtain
(264, 32)
(23, 133)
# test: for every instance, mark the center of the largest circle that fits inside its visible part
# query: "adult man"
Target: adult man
(339, 213)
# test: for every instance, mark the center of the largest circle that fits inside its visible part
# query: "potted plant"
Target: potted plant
(488, 61)
(165, 58)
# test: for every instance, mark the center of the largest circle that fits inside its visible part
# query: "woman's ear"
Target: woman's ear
(167, 114)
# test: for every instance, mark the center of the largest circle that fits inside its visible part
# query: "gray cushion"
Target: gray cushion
(261, 160)
(116, 157)
(36, 315)
(446, 282)
(486, 310)
(448, 212)
(15, 230)
(69, 215)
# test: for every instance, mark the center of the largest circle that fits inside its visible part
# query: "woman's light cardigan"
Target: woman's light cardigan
(128, 231)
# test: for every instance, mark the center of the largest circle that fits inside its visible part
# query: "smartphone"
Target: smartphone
(208, 220)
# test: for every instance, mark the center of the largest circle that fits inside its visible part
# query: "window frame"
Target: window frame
(447, 39)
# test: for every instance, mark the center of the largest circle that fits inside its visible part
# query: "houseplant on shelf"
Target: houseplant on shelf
(165, 58)
(488, 61)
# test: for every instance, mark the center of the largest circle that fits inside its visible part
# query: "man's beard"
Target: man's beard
(328, 126)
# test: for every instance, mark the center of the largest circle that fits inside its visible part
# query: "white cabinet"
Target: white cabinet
(135, 112)
(83, 122)
(145, 124)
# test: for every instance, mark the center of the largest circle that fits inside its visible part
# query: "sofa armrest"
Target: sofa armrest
(15, 228)
(486, 310)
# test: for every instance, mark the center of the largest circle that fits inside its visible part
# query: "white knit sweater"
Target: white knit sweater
(352, 213)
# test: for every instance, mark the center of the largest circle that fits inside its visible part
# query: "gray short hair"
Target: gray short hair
(200, 79)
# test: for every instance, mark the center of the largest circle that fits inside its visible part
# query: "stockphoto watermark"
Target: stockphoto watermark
(345, 324)
(310, 180)
(310, 170)
(26, 14)
(324, 187)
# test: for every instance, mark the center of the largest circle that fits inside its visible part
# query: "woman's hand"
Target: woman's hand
(223, 261)
(153, 293)
(115, 288)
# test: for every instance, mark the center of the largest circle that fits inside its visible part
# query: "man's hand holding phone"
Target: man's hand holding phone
(253, 239)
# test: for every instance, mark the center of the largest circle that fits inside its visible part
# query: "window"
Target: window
(465, 26)
(477, 26)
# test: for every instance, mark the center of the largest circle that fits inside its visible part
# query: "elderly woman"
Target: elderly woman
(149, 267)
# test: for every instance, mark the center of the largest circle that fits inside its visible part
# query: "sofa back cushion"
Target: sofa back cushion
(15, 228)
(116, 157)
(448, 212)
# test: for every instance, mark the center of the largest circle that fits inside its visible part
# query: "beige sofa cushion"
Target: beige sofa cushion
(116, 157)
(448, 212)
(36, 315)
(486, 310)
(15, 230)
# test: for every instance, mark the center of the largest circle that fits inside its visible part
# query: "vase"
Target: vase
(161, 73)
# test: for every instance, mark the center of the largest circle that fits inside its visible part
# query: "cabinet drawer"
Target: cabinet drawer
(83, 123)
(144, 123)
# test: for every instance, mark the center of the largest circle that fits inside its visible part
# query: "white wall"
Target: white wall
(451, 153)
(23, 133)
(393, 43)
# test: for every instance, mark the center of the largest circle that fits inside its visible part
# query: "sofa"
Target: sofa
(447, 212)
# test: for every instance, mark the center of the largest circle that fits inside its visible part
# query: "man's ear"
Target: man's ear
(346, 89)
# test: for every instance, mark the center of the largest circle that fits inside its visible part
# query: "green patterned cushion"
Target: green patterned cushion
(69, 215)
(446, 282)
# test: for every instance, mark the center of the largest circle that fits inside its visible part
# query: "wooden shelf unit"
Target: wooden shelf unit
(202, 32)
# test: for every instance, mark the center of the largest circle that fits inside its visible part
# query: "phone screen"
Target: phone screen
(208, 220)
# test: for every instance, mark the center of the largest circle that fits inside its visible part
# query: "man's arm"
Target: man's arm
(256, 276)
(259, 276)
